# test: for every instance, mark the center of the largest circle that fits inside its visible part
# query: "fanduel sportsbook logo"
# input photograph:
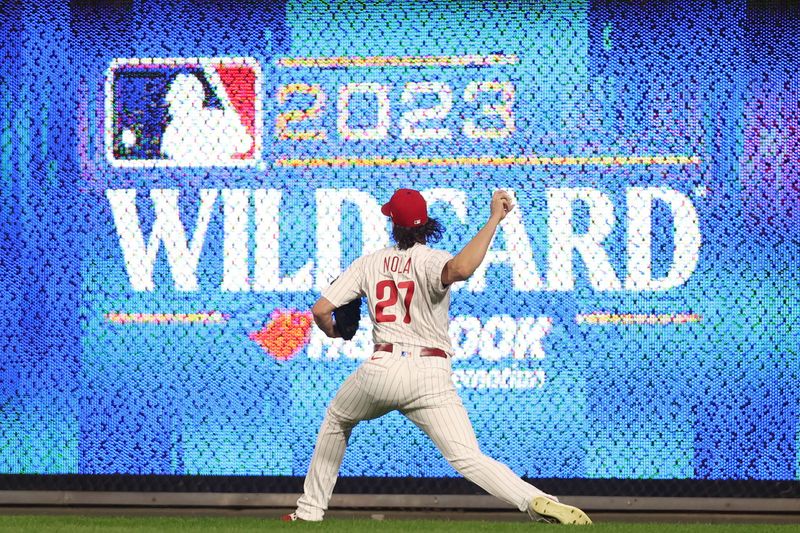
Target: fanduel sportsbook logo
(194, 112)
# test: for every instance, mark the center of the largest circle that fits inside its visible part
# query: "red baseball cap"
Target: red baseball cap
(407, 208)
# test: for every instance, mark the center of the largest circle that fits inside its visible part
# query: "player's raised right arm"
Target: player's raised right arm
(464, 264)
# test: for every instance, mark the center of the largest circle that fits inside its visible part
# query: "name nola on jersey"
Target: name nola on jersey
(253, 215)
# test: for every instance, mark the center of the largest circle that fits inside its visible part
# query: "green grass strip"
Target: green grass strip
(87, 524)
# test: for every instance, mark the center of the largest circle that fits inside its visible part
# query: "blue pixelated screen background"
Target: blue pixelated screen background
(180, 180)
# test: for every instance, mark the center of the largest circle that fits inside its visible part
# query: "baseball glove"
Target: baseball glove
(346, 318)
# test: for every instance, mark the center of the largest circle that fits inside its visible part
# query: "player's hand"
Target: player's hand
(501, 204)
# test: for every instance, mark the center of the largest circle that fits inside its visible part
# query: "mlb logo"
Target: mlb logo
(177, 112)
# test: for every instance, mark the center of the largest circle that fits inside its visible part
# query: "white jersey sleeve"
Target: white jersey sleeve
(348, 286)
(433, 270)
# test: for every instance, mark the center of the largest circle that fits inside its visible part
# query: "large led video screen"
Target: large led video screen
(181, 180)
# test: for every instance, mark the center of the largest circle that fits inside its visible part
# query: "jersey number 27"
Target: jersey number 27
(386, 291)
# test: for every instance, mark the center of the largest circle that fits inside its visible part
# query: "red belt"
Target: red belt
(424, 352)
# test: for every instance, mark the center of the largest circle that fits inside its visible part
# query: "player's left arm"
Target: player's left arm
(323, 316)
(343, 289)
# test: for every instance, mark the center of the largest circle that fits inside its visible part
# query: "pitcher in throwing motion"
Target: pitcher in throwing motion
(407, 287)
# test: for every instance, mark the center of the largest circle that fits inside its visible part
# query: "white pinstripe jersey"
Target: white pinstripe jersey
(406, 299)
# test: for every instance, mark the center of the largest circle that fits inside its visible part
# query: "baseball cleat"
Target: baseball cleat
(553, 511)
(291, 518)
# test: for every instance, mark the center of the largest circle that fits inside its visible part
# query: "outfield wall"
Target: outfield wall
(179, 183)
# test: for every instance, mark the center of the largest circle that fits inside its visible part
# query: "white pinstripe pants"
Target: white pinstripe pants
(421, 389)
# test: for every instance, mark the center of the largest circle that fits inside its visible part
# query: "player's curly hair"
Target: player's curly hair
(405, 238)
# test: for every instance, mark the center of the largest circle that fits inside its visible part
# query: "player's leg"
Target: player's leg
(448, 425)
(441, 415)
(357, 399)
(324, 468)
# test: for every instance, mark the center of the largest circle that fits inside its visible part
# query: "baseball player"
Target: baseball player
(407, 287)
